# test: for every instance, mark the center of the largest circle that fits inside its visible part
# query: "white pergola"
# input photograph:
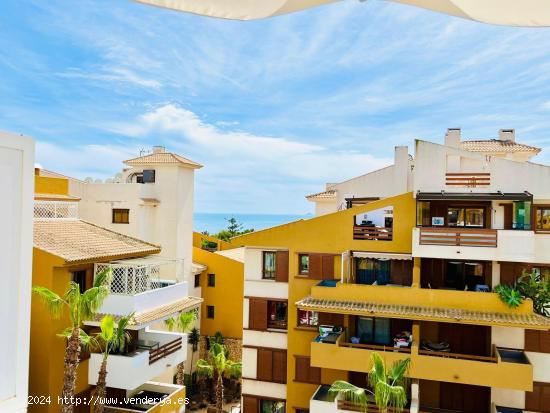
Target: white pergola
(531, 13)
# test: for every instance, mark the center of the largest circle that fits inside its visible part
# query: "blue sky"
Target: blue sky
(272, 108)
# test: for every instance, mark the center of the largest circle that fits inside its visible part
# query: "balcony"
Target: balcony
(156, 351)
(136, 286)
(323, 402)
(151, 397)
(467, 179)
(49, 210)
(481, 244)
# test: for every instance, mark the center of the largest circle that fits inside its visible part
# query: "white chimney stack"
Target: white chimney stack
(452, 137)
(507, 135)
(159, 149)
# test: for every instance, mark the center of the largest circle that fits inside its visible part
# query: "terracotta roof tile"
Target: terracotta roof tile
(162, 158)
(330, 194)
(496, 145)
(533, 321)
(77, 241)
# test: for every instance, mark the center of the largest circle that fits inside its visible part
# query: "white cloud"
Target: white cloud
(112, 74)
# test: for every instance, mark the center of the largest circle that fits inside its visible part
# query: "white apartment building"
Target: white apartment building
(17, 180)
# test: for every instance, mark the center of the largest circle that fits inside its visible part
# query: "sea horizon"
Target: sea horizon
(213, 222)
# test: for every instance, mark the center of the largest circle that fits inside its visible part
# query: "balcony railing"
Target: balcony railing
(372, 233)
(135, 276)
(165, 350)
(370, 408)
(466, 237)
(468, 179)
(55, 210)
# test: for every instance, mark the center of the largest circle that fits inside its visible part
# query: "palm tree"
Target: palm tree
(181, 322)
(112, 339)
(80, 306)
(388, 387)
(193, 339)
(218, 367)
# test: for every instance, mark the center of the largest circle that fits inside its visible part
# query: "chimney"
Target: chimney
(507, 135)
(159, 149)
(452, 137)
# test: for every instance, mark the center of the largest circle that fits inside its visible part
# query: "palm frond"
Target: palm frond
(204, 368)
(170, 323)
(121, 336)
(92, 300)
(103, 277)
(186, 320)
(52, 300)
(378, 371)
(349, 392)
(107, 328)
(399, 371)
(86, 341)
(234, 369)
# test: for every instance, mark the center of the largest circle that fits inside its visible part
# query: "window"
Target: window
(466, 217)
(197, 280)
(423, 217)
(277, 314)
(148, 176)
(521, 215)
(537, 341)
(211, 280)
(374, 330)
(121, 216)
(209, 311)
(271, 365)
(79, 277)
(269, 260)
(538, 400)
(304, 372)
(372, 270)
(304, 263)
(272, 406)
(308, 318)
(542, 218)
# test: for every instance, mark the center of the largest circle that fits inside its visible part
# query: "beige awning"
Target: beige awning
(381, 255)
(504, 12)
(408, 312)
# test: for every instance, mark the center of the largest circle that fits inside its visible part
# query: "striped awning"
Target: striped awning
(381, 255)
(445, 315)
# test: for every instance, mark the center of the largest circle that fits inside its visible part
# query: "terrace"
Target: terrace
(148, 398)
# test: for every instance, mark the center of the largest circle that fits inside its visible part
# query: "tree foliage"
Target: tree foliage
(530, 285)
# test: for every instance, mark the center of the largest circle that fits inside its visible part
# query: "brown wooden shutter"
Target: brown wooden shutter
(544, 341)
(279, 366)
(265, 365)
(257, 319)
(302, 369)
(532, 342)
(315, 266)
(281, 266)
(327, 271)
(314, 375)
(532, 398)
(250, 404)
(331, 319)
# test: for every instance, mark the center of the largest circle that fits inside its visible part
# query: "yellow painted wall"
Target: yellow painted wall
(226, 296)
(331, 233)
(48, 185)
(222, 245)
(46, 349)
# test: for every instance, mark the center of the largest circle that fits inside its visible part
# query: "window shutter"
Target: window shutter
(532, 398)
(279, 366)
(315, 266)
(315, 375)
(544, 341)
(265, 365)
(532, 340)
(250, 404)
(257, 319)
(302, 369)
(331, 319)
(281, 266)
(327, 271)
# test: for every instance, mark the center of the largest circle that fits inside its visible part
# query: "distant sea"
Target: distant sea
(215, 222)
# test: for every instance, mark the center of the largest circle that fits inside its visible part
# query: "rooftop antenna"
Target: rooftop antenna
(142, 151)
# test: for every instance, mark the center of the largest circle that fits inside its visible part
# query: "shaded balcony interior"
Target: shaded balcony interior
(379, 269)
(143, 399)
(460, 275)
(463, 341)
(474, 210)
(443, 397)
(374, 225)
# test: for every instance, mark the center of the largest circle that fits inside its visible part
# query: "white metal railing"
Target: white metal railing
(135, 276)
(55, 210)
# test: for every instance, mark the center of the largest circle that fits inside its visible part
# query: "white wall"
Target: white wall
(16, 216)
(266, 289)
(510, 337)
(541, 366)
(323, 207)
(264, 389)
(250, 362)
(508, 398)
(268, 339)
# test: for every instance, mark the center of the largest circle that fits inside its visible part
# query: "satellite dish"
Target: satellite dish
(88, 180)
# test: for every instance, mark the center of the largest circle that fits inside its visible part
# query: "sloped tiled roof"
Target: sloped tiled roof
(79, 241)
(155, 314)
(162, 158)
(330, 194)
(496, 145)
(450, 315)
